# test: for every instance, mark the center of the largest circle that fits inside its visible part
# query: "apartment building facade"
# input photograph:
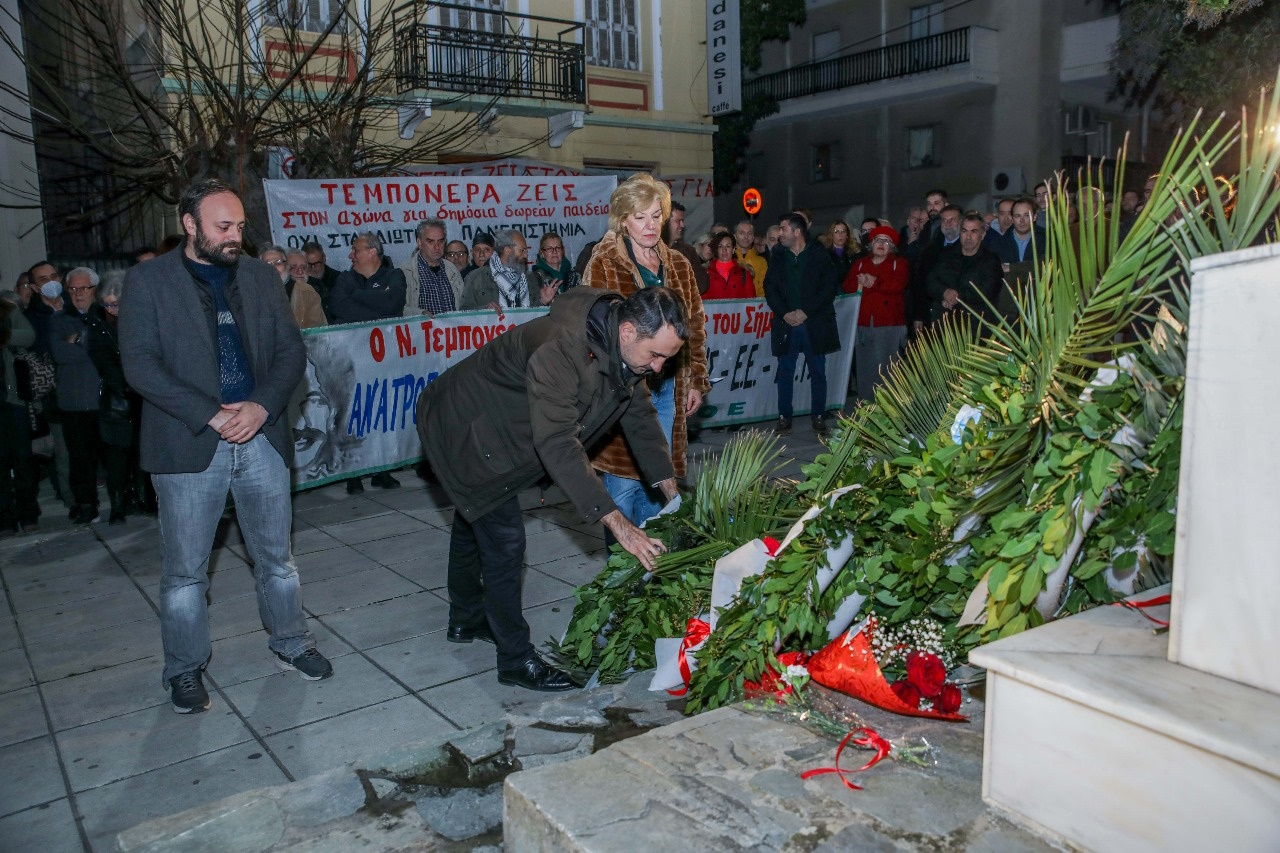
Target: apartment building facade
(881, 100)
(590, 85)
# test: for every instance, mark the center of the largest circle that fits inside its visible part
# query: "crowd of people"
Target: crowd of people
(179, 394)
(69, 412)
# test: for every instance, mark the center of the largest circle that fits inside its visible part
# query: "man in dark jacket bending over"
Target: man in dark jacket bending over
(556, 384)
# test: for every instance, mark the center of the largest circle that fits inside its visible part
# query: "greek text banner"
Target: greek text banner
(331, 212)
(355, 412)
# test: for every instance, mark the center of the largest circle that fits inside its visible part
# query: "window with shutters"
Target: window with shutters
(612, 39)
(308, 16)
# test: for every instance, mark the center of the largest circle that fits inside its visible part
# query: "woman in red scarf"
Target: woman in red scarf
(729, 279)
(881, 278)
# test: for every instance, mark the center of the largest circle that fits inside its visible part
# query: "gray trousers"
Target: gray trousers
(874, 348)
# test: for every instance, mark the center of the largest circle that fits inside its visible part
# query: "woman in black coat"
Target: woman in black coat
(119, 408)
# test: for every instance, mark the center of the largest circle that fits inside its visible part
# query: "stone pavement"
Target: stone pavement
(88, 741)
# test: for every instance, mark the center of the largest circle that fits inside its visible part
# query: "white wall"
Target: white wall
(21, 231)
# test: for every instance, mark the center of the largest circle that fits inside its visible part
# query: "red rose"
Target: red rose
(926, 672)
(948, 701)
(907, 692)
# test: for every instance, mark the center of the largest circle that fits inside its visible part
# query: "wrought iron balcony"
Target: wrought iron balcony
(870, 66)
(453, 48)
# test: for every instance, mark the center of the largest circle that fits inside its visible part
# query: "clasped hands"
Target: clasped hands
(795, 318)
(239, 422)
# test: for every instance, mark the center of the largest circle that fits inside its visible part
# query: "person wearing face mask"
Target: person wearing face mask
(47, 283)
(629, 258)
(46, 304)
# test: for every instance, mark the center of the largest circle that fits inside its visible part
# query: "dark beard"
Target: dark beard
(215, 253)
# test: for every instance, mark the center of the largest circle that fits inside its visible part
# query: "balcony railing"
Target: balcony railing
(870, 66)
(492, 58)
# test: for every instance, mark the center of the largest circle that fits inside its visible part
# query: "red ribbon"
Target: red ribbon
(771, 546)
(1138, 607)
(696, 632)
(858, 737)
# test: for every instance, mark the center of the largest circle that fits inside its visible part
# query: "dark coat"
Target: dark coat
(1006, 247)
(968, 275)
(819, 287)
(168, 347)
(78, 380)
(557, 384)
(356, 299)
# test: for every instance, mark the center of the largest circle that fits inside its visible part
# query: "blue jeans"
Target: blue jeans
(637, 501)
(797, 343)
(190, 507)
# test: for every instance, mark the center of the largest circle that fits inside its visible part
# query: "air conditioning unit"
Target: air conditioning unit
(1007, 181)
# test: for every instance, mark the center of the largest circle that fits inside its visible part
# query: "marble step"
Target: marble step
(1095, 738)
(730, 780)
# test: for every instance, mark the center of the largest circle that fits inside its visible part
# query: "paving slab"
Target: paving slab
(390, 621)
(130, 744)
(247, 656)
(104, 693)
(429, 572)
(45, 592)
(285, 701)
(376, 527)
(21, 716)
(95, 650)
(336, 561)
(428, 660)
(355, 590)
(31, 775)
(111, 808)
(47, 828)
(313, 748)
(427, 541)
(15, 673)
(64, 621)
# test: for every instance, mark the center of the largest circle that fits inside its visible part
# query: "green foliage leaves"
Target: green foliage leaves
(1161, 52)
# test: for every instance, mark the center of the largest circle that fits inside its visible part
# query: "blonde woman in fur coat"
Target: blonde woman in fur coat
(632, 256)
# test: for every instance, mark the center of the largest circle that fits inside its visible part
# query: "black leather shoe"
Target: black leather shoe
(355, 487)
(384, 481)
(537, 674)
(458, 634)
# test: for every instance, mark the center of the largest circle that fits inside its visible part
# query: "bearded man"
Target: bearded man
(208, 339)
(503, 282)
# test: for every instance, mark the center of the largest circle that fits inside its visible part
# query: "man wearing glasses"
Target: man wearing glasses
(456, 253)
(432, 286)
(320, 275)
(78, 386)
(553, 273)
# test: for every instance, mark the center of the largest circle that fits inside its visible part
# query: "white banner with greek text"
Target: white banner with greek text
(355, 412)
(331, 212)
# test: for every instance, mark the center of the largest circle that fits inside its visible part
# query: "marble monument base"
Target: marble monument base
(1095, 739)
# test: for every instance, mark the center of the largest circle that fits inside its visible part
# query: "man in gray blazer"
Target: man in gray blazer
(208, 339)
